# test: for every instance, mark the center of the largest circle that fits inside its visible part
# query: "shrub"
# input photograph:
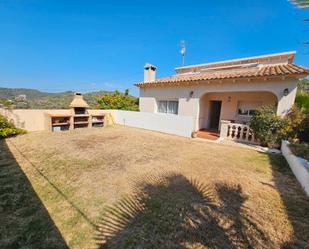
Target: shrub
(303, 133)
(5, 102)
(267, 126)
(8, 129)
(270, 128)
(295, 119)
(119, 101)
(302, 100)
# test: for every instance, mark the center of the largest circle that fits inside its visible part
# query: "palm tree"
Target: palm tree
(301, 3)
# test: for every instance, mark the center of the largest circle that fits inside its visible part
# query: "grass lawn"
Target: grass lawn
(129, 188)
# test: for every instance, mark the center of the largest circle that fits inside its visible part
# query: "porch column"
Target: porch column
(285, 103)
(224, 128)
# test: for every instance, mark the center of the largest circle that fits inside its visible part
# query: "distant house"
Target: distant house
(21, 97)
(223, 91)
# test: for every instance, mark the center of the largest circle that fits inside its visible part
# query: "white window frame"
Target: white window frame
(252, 106)
(167, 100)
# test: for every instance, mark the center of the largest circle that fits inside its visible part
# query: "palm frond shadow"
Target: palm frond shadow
(171, 211)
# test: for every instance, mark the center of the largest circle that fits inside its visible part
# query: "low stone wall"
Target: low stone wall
(299, 166)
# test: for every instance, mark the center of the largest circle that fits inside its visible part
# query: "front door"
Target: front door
(214, 114)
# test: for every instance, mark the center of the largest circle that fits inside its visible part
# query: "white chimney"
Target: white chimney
(149, 73)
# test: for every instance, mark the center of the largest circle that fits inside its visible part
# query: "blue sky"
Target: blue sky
(58, 45)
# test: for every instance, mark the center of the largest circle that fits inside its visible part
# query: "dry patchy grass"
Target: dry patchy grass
(129, 188)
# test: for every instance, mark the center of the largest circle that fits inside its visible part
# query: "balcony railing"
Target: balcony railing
(237, 132)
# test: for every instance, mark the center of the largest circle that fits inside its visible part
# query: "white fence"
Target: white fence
(167, 123)
(299, 166)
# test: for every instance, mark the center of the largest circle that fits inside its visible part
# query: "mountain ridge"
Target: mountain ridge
(27, 98)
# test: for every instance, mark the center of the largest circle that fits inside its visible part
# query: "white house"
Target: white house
(223, 91)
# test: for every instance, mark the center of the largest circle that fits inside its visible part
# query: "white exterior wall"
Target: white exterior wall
(167, 123)
(190, 106)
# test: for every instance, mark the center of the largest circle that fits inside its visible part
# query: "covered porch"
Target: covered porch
(227, 114)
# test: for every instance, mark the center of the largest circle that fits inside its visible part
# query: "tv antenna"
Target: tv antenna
(182, 51)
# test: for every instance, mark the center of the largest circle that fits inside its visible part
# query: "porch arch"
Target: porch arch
(230, 101)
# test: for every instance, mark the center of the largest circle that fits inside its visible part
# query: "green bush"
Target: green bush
(270, 128)
(5, 102)
(118, 101)
(8, 129)
(302, 100)
(295, 119)
(303, 133)
(267, 126)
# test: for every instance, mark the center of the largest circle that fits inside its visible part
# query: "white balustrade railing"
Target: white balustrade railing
(237, 132)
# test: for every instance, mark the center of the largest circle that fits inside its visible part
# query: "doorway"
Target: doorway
(214, 114)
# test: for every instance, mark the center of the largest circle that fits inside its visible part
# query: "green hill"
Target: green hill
(35, 99)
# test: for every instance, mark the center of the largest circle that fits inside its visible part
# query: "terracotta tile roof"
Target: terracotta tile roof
(79, 101)
(285, 56)
(263, 71)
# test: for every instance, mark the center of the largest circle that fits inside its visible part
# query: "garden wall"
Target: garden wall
(167, 123)
(39, 120)
(28, 119)
(36, 120)
(299, 166)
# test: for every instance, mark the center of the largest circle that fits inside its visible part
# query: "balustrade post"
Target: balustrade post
(241, 132)
(224, 128)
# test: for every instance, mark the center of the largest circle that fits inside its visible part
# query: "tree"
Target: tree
(302, 96)
(303, 84)
(118, 101)
(301, 3)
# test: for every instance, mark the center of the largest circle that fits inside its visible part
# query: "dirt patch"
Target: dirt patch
(91, 141)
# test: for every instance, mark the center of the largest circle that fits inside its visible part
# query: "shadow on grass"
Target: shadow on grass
(171, 211)
(24, 221)
(58, 190)
(294, 199)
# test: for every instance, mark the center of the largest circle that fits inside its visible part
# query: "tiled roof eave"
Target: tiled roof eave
(199, 80)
